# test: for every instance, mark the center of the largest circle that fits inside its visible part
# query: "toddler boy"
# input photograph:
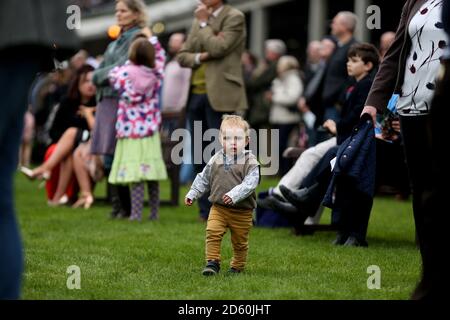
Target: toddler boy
(231, 176)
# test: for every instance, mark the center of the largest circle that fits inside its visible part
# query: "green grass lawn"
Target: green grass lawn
(164, 259)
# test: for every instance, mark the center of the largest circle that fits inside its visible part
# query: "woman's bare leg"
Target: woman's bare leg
(84, 180)
(81, 172)
(65, 175)
(63, 149)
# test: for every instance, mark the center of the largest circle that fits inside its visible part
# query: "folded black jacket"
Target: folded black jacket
(356, 158)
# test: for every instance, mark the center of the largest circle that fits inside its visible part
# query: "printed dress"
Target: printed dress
(138, 156)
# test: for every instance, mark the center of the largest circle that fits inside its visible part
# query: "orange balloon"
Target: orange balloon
(114, 31)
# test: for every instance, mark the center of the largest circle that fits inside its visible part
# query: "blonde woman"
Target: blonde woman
(286, 91)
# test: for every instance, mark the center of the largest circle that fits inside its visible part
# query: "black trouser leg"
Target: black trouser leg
(319, 178)
(124, 200)
(434, 241)
(419, 162)
(120, 198)
(354, 209)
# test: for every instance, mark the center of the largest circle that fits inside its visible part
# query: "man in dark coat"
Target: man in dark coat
(336, 78)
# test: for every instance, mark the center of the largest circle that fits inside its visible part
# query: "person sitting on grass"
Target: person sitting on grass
(232, 176)
(72, 124)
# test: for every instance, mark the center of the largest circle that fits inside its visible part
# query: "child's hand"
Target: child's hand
(188, 202)
(227, 200)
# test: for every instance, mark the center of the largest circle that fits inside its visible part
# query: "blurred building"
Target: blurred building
(295, 21)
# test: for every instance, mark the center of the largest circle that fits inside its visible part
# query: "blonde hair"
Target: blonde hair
(139, 7)
(287, 63)
(235, 121)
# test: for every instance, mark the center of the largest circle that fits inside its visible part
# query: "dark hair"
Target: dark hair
(142, 52)
(139, 36)
(367, 52)
(74, 92)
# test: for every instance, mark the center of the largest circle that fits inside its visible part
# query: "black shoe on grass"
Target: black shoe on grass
(233, 271)
(212, 268)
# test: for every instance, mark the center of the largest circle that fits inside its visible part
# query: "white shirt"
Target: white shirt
(422, 66)
(286, 91)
